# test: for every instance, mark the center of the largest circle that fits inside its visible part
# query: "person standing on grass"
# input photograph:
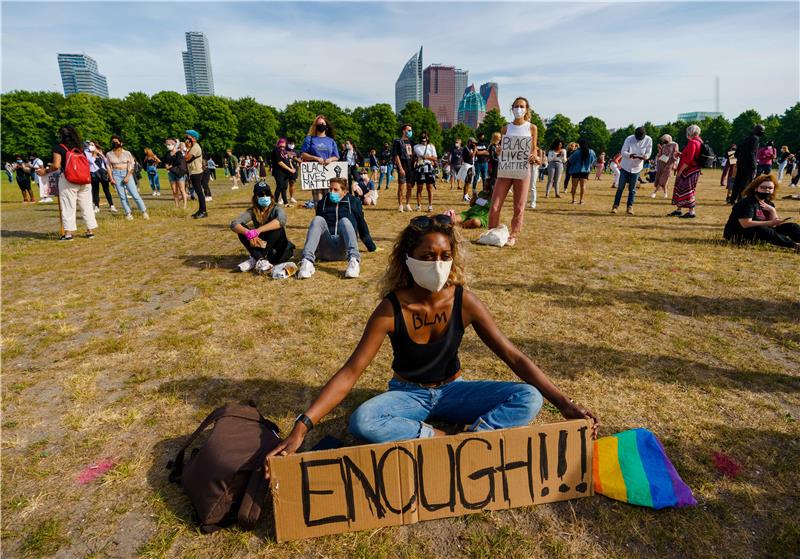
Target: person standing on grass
(635, 151)
(556, 159)
(386, 165)
(456, 158)
(683, 194)
(730, 155)
(212, 168)
(579, 166)
(402, 156)
(746, 161)
(426, 277)
(233, 168)
(295, 160)
(319, 145)
(262, 231)
(765, 157)
(122, 163)
(481, 163)
(175, 163)
(520, 127)
(614, 166)
(424, 171)
(206, 180)
(601, 165)
(98, 166)
(151, 162)
(755, 219)
(282, 169)
(783, 159)
(666, 159)
(373, 166)
(494, 161)
(467, 165)
(194, 165)
(534, 176)
(71, 195)
(23, 172)
(36, 163)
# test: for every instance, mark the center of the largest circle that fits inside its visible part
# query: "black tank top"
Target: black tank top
(432, 362)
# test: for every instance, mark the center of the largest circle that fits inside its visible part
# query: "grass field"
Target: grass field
(117, 347)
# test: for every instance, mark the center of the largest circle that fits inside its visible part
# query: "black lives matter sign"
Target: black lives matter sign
(514, 154)
(371, 486)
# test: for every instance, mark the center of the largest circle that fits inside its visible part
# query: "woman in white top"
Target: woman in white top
(424, 159)
(556, 159)
(521, 126)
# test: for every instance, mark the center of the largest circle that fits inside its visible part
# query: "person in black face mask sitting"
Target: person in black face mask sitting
(262, 231)
(754, 217)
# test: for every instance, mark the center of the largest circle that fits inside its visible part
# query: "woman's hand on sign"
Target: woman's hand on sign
(533, 160)
(575, 411)
(287, 446)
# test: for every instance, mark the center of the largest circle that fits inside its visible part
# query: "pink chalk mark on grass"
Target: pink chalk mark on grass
(94, 471)
(726, 465)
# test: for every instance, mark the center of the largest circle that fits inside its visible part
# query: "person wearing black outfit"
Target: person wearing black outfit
(754, 217)
(746, 162)
(262, 231)
(494, 159)
(481, 163)
(467, 165)
(386, 165)
(282, 170)
(455, 163)
(402, 154)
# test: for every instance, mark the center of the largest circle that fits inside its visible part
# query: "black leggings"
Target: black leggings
(279, 248)
(281, 185)
(213, 173)
(784, 235)
(743, 177)
(96, 182)
(204, 183)
(197, 186)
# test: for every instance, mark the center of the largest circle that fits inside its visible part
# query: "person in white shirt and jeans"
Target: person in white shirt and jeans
(635, 151)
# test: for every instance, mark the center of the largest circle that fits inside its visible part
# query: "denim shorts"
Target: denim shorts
(173, 177)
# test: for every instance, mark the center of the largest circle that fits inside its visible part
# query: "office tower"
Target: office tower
(489, 93)
(79, 75)
(697, 116)
(438, 91)
(408, 86)
(197, 64)
(462, 79)
(472, 108)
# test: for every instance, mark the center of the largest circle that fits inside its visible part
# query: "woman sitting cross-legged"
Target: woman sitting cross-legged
(266, 239)
(754, 217)
(424, 312)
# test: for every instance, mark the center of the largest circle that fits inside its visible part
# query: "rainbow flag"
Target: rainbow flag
(632, 467)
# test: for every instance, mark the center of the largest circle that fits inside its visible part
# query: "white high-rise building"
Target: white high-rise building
(408, 86)
(197, 64)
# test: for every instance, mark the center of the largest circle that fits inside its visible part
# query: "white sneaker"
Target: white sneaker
(263, 266)
(353, 269)
(533, 206)
(408, 207)
(400, 208)
(247, 265)
(306, 269)
(466, 197)
(112, 209)
(129, 217)
(293, 201)
(653, 195)
(417, 208)
(209, 199)
(97, 209)
(430, 208)
(145, 215)
(46, 200)
(234, 187)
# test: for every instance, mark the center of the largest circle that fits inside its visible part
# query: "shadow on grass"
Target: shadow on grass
(226, 262)
(6, 233)
(274, 398)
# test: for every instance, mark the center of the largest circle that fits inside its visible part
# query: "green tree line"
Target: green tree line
(31, 119)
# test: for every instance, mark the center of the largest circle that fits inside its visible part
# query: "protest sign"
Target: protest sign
(315, 175)
(370, 486)
(514, 154)
(51, 182)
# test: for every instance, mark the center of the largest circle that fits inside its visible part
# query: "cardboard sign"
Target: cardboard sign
(314, 175)
(370, 486)
(51, 182)
(514, 154)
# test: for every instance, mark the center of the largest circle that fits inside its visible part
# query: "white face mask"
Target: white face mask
(91, 147)
(170, 147)
(519, 112)
(291, 146)
(430, 275)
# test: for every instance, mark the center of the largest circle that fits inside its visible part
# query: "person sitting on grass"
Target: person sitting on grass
(262, 231)
(364, 189)
(425, 311)
(477, 215)
(333, 233)
(754, 217)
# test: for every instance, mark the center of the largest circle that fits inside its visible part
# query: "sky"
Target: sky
(625, 62)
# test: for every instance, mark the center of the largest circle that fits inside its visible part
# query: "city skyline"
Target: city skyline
(654, 74)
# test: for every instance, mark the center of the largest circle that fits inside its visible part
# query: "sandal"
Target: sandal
(512, 240)
(65, 238)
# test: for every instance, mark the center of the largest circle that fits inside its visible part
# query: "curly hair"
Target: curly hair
(398, 276)
(750, 188)
(70, 137)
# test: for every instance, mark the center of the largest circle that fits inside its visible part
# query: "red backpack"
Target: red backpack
(76, 167)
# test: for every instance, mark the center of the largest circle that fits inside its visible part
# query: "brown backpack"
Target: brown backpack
(224, 478)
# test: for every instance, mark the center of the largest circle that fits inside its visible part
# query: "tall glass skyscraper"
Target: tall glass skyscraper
(462, 79)
(79, 75)
(408, 86)
(438, 91)
(197, 64)
(472, 108)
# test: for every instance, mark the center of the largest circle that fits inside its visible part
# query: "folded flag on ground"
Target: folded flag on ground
(632, 467)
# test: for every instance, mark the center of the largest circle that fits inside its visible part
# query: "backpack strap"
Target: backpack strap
(254, 495)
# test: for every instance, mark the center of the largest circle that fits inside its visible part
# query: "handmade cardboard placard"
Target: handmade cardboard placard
(315, 175)
(515, 151)
(370, 486)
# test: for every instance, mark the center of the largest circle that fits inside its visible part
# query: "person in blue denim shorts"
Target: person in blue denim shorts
(425, 310)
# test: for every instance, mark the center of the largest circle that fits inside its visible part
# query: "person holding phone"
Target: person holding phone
(635, 151)
(755, 219)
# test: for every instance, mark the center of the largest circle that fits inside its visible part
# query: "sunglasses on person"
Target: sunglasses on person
(424, 222)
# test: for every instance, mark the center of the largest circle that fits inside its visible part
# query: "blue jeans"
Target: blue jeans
(342, 246)
(152, 174)
(626, 178)
(400, 413)
(482, 169)
(130, 187)
(387, 174)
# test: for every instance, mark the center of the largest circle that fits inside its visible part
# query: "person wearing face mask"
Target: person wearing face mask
(425, 174)
(465, 171)
(98, 165)
(175, 162)
(121, 162)
(456, 158)
(282, 169)
(666, 159)
(334, 232)
(295, 161)
(194, 166)
(403, 155)
(746, 156)
(353, 159)
(23, 173)
(683, 194)
(635, 151)
(262, 231)
(425, 311)
(386, 165)
(755, 219)
(151, 162)
(364, 189)
(35, 164)
(481, 163)
(320, 146)
(521, 126)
